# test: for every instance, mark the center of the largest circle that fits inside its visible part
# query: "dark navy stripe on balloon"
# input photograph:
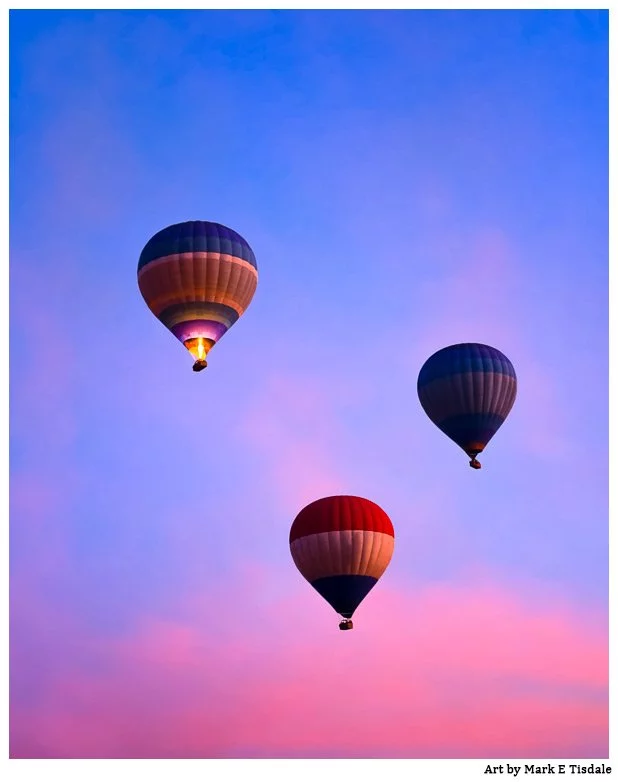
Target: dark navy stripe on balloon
(196, 236)
(202, 309)
(344, 593)
(475, 427)
(467, 357)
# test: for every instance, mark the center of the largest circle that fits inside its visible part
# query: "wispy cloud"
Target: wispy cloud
(292, 423)
(405, 683)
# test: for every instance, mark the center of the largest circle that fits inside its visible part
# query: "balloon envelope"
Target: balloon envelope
(467, 390)
(197, 278)
(342, 545)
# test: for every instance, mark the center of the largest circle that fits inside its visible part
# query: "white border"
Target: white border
(298, 770)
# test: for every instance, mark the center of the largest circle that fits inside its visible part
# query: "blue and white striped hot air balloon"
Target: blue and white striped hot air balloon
(468, 390)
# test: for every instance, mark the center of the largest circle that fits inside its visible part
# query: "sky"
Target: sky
(407, 180)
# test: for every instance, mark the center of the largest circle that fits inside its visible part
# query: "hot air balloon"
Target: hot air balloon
(197, 278)
(468, 390)
(342, 545)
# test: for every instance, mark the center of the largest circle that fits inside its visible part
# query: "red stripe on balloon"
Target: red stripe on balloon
(331, 514)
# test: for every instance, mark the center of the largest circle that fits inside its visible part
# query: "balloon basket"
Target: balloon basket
(346, 624)
(199, 365)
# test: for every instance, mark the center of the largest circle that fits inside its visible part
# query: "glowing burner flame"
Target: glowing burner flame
(201, 353)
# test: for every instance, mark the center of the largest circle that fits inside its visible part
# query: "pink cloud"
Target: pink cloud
(474, 669)
(471, 298)
(292, 424)
(44, 385)
(44, 427)
(38, 509)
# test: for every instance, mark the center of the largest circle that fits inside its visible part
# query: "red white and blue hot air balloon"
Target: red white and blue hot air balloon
(468, 390)
(342, 545)
(197, 278)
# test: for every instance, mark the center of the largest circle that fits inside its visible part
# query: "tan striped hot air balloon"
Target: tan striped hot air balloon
(197, 278)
